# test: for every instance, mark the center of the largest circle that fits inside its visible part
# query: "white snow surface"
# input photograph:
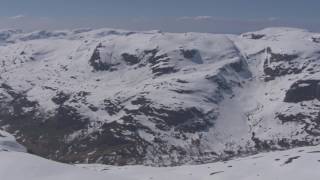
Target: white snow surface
(32, 62)
(16, 164)
(294, 164)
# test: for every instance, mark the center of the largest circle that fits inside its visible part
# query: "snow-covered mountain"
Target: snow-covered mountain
(122, 97)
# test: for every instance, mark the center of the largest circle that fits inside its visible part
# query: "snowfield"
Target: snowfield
(22, 166)
(295, 164)
(16, 164)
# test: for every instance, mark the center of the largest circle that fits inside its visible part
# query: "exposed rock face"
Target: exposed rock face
(97, 62)
(119, 97)
(253, 36)
(316, 39)
(277, 65)
(303, 90)
(130, 59)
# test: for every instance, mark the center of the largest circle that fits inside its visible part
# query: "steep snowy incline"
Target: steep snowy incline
(122, 97)
(118, 97)
(282, 98)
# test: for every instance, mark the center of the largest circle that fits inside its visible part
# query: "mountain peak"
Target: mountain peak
(127, 97)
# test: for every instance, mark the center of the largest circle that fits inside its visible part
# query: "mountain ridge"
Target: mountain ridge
(156, 98)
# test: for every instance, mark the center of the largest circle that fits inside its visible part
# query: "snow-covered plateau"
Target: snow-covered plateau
(153, 98)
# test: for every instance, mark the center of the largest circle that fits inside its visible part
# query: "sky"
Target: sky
(213, 16)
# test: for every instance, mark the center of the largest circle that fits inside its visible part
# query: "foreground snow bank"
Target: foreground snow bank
(15, 164)
(22, 166)
(295, 164)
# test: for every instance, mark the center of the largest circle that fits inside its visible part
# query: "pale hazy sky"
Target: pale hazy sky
(219, 16)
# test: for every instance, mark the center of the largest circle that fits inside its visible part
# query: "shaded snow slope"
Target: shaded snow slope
(122, 97)
(8, 143)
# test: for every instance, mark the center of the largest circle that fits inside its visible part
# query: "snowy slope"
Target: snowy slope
(121, 97)
(15, 164)
(8, 143)
(284, 90)
(295, 164)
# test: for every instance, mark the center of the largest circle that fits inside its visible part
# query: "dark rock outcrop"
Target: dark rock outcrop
(281, 64)
(130, 59)
(254, 36)
(303, 90)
